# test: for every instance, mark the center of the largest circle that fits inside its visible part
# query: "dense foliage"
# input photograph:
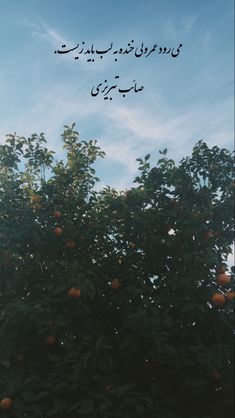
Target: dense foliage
(107, 299)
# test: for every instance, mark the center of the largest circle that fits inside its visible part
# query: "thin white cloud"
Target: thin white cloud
(184, 27)
(207, 39)
(55, 39)
(144, 124)
(124, 153)
(188, 23)
(51, 110)
(125, 133)
(28, 23)
(170, 30)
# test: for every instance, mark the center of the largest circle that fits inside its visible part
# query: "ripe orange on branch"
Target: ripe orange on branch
(50, 340)
(230, 295)
(115, 284)
(36, 198)
(74, 292)
(70, 244)
(58, 231)
(218, 299)
(57, 214)
(223, 279)
(207, 235)
(6, 403)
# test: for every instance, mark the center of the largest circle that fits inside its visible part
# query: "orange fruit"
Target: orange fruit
(220, 270)
(36, 198)
(57, 214)
(6, 403)
(74, 292)
(70, 244)
(58, 231)
(115, 284)
(223, 279)
(50, 340)
(207, 235)
(230, 295)
(218, 299)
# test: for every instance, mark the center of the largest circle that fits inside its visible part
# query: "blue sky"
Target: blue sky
(184, 99)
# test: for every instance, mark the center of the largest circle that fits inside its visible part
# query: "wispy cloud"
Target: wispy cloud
(125, 133)
(177, 130)
(39, 28)
(188, 23)
(56, 39)
(144, 124)
(184, 26)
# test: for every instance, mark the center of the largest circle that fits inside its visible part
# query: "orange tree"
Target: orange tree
(114, 304)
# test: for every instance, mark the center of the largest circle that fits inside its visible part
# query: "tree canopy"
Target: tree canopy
(115, 304)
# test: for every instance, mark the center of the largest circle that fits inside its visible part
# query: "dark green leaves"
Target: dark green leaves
(147, 348)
